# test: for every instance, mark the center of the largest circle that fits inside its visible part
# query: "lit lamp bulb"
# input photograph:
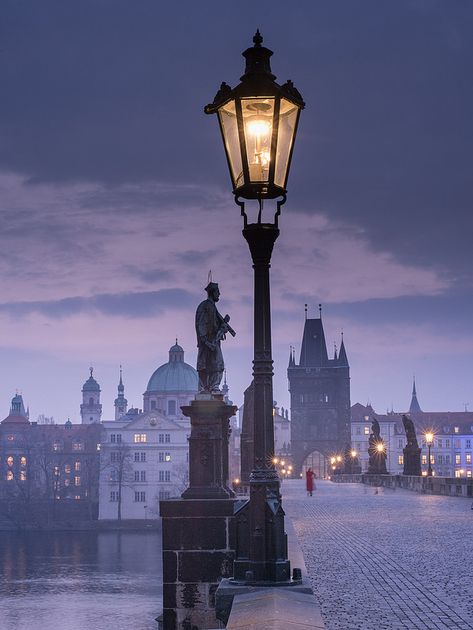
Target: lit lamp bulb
(339, 459)
(332, 460)
(353, 454)
(380, 447)
(275, 460)
(429, 438)
(258, 133)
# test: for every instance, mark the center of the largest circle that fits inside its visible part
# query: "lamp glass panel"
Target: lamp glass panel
(229, 124)
(258, 130)
(287, 125)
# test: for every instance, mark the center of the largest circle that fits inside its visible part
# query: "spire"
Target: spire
(292, 362)
(335, 356)
(342, 355)
(414, 407)
(121, 403)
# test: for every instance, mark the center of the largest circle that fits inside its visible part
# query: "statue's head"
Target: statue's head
(213, 291)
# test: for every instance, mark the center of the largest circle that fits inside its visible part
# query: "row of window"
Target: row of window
(140, 497)
(312, 398)
(116, 457)
(10, 460)
(141, 438)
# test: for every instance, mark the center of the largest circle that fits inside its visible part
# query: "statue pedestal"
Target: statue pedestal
(412, 461)
(198, 529)
(208, 447)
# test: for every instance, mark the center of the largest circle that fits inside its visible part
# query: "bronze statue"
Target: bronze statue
(211, 329)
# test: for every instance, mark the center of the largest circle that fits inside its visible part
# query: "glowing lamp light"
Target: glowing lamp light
(429, 437)
(258, 121)
(236, 480)
(353, 454)
(339, 459)
(275, 460)
(332, 460)
(380, 447)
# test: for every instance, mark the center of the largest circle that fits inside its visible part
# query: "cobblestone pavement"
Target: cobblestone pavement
(380, 559)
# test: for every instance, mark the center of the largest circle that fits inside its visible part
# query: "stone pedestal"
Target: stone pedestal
(198, 551)
(198, 529)
(412, 460)
(208, 448)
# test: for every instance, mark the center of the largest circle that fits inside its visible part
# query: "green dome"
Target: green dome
(174, 376)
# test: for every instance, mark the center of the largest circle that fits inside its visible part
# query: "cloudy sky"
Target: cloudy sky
(115, 199)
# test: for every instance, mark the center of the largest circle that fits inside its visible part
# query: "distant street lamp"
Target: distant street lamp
(258, 121)
(429, 438)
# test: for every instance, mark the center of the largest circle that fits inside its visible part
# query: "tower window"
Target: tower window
(171, 407)
(91, 402)
(153, 404)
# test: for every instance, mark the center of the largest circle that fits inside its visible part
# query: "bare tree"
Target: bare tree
(117, 464)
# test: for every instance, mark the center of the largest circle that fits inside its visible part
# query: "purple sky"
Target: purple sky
(115, 197)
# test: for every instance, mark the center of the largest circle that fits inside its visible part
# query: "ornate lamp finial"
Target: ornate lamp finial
(257, 39)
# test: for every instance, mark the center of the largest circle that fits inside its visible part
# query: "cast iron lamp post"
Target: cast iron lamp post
(258, 121)
(429, 438)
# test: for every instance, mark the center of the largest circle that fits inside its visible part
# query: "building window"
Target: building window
(358, 430)
(164, 494)
(171, 407)
(367, 430)
(67, 469)
(77, 480)
(114, 495)
(447, 459)
(440, 443)
(139, 438)
(10, 438)
(10, 461)
(142, 457)
(457, 458)
(9, 476)
(22, 475)
(137, 475)
(56, 446)
(137, 457)
(468, 444)
(153, 405)
(142, 475)
(447, 443)
(400, 460)
(424, 459)
(468, 473)
(400, 443)
(440, 459)
(22, 460)
(114, 457)
(167, 457)
(77, 497)
(113, 437)
(468, 458)
(161, 438)
(167, 438)
(140, 497)
(160, 456)
(164, 475)
(67, 482)
(56, 471)
(457, 474)
(457, 443)
(78, 446)
(77, 466)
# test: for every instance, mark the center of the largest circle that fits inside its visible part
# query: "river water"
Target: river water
(80, 581)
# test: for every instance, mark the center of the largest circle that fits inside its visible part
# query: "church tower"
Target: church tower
(121, 403)
(91, 409)
(320, 397)
(414, 407)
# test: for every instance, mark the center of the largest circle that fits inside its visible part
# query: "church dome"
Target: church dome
(91, 384)
(175, 375)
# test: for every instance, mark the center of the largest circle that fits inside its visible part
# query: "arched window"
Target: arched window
(91, 402)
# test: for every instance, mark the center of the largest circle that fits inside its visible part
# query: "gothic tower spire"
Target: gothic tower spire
(414, 407)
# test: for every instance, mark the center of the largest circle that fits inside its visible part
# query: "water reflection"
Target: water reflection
(79, 581)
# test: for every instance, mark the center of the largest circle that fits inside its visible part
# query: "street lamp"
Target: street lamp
(258, 121)
(429, 438)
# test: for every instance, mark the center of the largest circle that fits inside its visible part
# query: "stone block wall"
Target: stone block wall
(198, 551)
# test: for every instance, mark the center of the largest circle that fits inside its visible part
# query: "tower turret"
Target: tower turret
(91, 409)
(121, 403)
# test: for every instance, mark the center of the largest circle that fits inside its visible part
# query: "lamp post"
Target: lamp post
(258, 121)
(429, 438)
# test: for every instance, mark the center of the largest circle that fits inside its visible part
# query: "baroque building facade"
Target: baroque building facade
(320, 400)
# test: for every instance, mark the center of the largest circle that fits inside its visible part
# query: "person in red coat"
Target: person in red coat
(309, 481)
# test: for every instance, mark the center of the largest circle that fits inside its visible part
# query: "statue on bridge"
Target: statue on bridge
(412, 450)
(376, 451)
(211, 329)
